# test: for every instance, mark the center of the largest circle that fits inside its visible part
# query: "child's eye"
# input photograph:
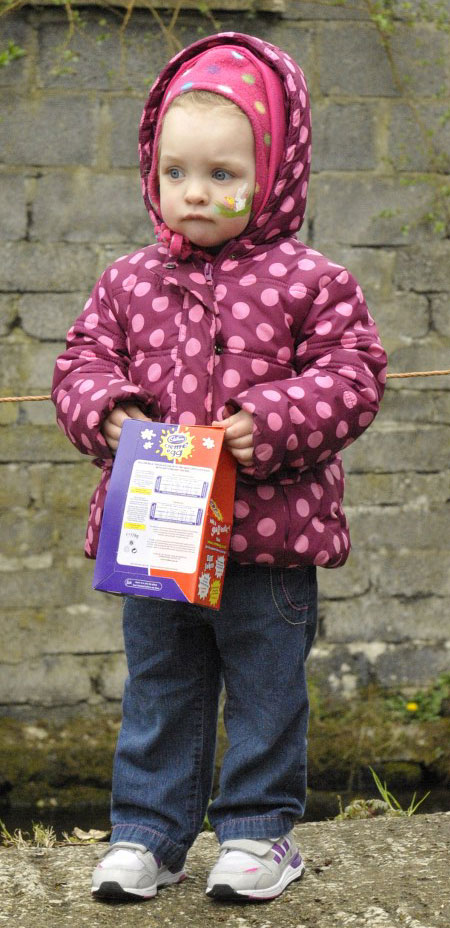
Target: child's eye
(221, 174)
(174, 173)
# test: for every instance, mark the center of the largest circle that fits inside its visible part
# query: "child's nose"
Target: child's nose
(196, 191)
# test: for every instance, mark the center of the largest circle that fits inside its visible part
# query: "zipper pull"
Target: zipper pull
(209, 274)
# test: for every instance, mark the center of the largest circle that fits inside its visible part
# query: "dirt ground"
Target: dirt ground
(382, 873)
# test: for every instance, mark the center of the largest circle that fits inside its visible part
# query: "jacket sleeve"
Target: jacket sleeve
(335, 393)
(91, 376)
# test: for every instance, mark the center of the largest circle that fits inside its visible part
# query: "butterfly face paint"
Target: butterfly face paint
(238, 205)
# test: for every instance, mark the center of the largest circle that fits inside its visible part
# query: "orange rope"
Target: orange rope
(23, 399)
(20, 399)
(419, 374)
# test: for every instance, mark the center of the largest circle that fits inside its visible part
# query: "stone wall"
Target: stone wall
(70, 203)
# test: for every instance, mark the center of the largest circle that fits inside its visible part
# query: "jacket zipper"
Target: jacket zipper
(209, 274)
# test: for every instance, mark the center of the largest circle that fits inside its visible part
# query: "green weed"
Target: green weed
(369, 808)
(41, 836)
(393, 803)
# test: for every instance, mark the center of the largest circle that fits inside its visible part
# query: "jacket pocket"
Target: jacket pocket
(293, 590)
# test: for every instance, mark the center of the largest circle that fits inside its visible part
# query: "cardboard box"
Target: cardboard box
(168, 515)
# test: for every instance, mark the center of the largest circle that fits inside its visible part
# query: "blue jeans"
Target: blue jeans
(178, 657)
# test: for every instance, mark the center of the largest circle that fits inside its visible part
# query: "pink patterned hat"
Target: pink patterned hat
(234, 72)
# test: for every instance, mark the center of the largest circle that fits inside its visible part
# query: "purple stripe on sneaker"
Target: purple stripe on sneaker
(286, 845)
(279, 849)
(277, 859)
(296, 861)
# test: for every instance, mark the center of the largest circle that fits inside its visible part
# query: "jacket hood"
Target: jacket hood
(284, 210)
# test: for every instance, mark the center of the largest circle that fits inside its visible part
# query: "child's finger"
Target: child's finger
(241, 441)
(241, 423)
(134, 412)
(243, 456)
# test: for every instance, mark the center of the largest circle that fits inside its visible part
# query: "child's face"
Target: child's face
(206, 173)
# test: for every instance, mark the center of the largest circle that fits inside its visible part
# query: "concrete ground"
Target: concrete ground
(382, 873)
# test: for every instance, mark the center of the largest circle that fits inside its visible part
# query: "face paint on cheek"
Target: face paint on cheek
(239, 205)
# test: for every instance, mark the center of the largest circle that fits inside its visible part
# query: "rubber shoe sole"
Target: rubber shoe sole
(225, 892)
(109, 889)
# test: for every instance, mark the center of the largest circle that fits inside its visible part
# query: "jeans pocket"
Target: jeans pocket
(293, 590)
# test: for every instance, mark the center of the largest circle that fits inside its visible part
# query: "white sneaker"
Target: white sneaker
(249, 869)
(128, 870)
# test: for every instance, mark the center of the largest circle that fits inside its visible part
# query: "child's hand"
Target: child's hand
(113, 423)
(239, 436)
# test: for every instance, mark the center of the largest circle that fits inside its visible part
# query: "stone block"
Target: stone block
(417, 526)
(334, 669)
(86, 207)
(343, 668)
(389, 447)
(432, 11)
(370, 210)
(419, 139)
(34, 443)
(9, 311)
(47, 130)
(32, 266)
(301, 9)
(27, 366)
(352, 61)
(48, 316)
(61, 487)
(372, 267)
(40, 412)
(9, 413)
(80, 628)
(106, 63)
(26, 532)
(124, 117)
(386, 619)
(44, 588)
(420, 55)
(113, 675)
(16, 28)
(440, 310)
(396, 489)
(351, 580)
(13, 207)
(411, 665)
(146, 51)
(422, 406)
(419, 573)
(298, 41)
(107, 254)
(403, 318)
(344, 137)
(429, 354)
(423, 268)
(57, 680)
(15, 487)
(71, 535)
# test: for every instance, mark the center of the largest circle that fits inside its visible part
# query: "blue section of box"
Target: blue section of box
(108, 574)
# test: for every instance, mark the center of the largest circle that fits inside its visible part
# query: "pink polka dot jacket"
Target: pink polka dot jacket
(267, 325)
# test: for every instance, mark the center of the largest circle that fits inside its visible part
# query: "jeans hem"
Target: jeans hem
(255, 826)
(171, 854)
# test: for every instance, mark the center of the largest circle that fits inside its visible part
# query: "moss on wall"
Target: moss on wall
(69, 765)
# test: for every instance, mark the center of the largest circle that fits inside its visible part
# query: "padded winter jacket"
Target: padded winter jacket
(267, 325)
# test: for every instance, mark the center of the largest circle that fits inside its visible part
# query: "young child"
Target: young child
(228, 319)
